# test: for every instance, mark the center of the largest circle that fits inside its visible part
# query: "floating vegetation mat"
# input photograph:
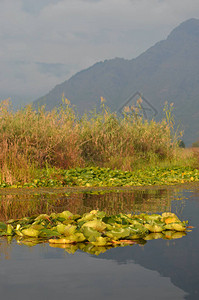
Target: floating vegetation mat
(106, 177)
(93, 232)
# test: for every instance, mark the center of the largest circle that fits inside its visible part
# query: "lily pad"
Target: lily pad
(154, 227)
(65, 214)
(90, 233)
(30, 232)
(101, 241)
(96, 225)
(153, 236)
(118, 233)
(178, 227)
(94, 232)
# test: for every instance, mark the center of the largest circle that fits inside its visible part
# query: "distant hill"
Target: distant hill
(168, 71)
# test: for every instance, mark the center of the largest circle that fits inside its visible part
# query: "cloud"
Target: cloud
(45, 42)
(33, 7)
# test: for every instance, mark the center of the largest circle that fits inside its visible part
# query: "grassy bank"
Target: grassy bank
(39, 147)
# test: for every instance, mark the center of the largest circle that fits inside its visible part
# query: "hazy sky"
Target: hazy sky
(44, 42)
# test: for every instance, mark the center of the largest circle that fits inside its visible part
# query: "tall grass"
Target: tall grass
(31, 140)
(129, 141)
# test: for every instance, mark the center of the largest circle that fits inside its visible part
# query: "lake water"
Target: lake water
(158, 269)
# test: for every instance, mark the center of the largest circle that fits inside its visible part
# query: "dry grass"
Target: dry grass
(31, 140)
(108, 140)
(195, 152)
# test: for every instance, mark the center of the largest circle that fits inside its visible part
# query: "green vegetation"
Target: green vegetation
(58, 148)
(99, 177)
(91, 231)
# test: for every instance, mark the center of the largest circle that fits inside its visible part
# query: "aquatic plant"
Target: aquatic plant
(106, 177)
(95, 228)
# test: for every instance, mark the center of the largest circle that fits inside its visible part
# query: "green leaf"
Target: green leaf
(96, 225)
(65, 215)
(101, 241)
(9, 229)
(48, 233)
(90, 233)
(118, 233)
(30, 232)
(154, 227)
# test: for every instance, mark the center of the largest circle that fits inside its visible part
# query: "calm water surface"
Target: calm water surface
(159, 269)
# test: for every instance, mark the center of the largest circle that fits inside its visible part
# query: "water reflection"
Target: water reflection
(50, 274)
(176, 259)
(15, 206)
(160, 269)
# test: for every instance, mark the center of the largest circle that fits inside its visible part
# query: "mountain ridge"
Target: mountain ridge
(167, 71)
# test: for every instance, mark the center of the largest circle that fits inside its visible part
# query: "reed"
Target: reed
(128, 141)
(31, 140)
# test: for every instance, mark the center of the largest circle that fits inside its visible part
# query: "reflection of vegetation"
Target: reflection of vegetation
(137, 201)
(17, 206)
(95, 231)
(5, 247)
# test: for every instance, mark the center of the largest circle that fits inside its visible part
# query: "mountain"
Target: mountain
(168, 71)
